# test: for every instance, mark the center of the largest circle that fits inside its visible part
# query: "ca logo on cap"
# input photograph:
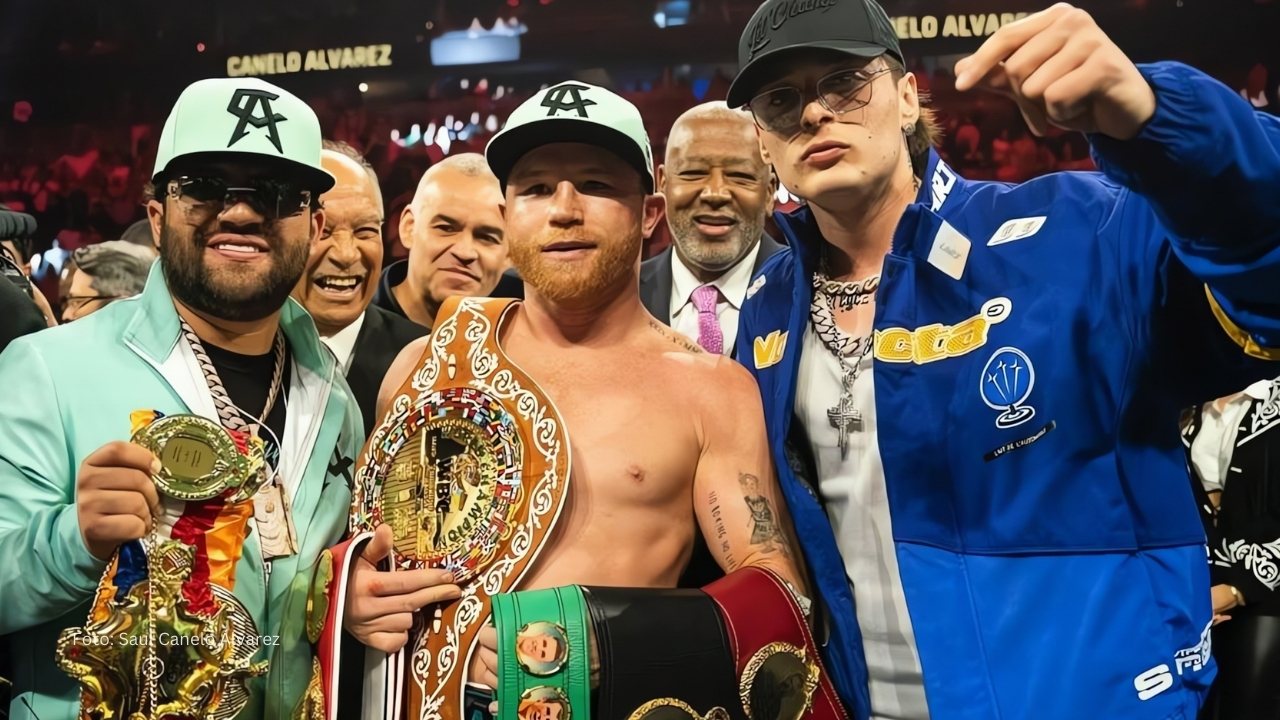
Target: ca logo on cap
(564, 98)
(243, 105)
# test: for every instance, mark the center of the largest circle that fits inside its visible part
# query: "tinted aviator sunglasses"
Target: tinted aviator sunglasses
(780, 110)
(273, 199)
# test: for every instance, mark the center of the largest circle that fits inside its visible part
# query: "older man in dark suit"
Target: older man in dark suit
(342, 275)
(719, 193)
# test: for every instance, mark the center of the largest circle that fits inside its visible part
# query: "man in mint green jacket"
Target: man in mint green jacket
(215, 334)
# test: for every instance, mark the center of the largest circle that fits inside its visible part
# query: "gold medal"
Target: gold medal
(200, 460)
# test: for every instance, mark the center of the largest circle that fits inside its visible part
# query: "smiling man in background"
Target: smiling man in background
(342, 276)
(719, 192)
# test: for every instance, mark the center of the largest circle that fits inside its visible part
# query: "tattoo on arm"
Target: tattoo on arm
(722, 535)
(675, 337)
(765, 532)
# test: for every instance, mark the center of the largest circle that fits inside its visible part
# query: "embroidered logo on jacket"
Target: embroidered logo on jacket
(1160, 678)
(1018, 229)
(1196, 657)
(931, 343)
(944, 178)
(768, 349)
(1006, 384)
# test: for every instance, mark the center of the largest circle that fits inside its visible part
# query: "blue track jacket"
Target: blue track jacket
(1034, 345)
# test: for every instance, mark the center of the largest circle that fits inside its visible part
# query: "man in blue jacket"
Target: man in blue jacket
(972, 389)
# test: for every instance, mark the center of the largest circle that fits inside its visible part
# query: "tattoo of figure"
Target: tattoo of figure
(675, 337)
(722, 535)
(765, 532)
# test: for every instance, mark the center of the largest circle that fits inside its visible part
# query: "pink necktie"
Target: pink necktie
(709, 335)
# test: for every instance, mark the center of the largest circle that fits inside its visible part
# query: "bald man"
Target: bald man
(719, 193)
(453, 231)
(342, 276)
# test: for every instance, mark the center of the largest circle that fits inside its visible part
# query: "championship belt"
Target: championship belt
(738, 649)
(165, 635)
(544, 667)
(779, 673)
(470, 468)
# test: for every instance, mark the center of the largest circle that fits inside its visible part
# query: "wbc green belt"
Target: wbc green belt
(544, 672)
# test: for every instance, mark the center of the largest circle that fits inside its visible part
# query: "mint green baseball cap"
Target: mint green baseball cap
(573, 112)
(224, 117)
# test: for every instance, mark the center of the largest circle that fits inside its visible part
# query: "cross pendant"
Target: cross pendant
(845, 419)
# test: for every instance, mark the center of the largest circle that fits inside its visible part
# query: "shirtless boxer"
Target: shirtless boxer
(666, 440)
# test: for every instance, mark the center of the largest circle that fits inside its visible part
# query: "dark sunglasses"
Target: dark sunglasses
(272, 199)
(779, 111)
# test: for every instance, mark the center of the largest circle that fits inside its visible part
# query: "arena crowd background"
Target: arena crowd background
(84, 87)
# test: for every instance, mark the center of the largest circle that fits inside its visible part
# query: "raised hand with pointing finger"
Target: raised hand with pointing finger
(1062, 70)
(1113, 297)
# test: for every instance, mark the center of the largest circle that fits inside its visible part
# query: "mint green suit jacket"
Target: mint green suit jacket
(67, 391)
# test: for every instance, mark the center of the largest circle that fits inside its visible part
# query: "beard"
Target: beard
(713, 256)
(223, 293)
(570, 281)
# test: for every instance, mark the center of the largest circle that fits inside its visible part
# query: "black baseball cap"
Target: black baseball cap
(855, 27)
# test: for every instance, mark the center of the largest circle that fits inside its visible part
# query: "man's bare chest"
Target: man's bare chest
(634, 439)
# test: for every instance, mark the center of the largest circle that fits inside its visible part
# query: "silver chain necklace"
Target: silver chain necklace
(849, 351)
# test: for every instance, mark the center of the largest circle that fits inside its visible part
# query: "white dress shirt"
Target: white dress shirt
(1214, 444)
(343, 343)
(733, 291)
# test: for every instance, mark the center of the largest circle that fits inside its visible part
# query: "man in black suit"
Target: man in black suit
(719, 193)
(342, 275)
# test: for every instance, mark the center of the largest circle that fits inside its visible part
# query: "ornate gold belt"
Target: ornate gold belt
(165, 635)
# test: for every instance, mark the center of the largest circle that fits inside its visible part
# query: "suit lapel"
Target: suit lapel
(369, 340)
(655, 286)
(369, 352)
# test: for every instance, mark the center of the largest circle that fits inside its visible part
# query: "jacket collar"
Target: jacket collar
(392, 275)
(153, 330)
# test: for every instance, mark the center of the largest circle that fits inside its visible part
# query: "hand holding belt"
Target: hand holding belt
(470, 468)
(544, 668)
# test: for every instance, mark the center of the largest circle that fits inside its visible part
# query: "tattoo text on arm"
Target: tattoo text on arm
(722, 534)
